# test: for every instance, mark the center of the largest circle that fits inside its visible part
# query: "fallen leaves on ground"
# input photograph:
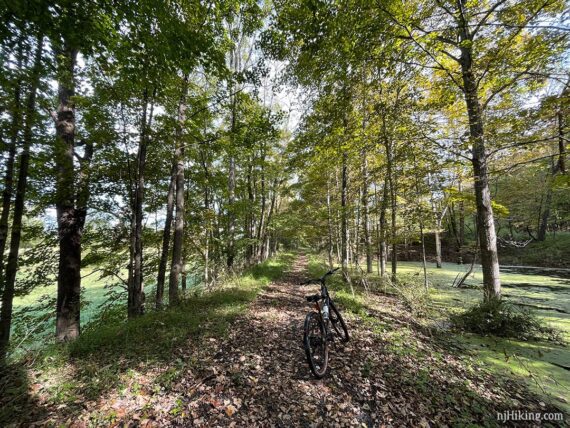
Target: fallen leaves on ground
(392, 373)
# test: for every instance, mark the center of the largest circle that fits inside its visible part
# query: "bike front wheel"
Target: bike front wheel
(316, 346)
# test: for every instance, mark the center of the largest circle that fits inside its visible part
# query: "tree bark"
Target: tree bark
(9, 177)
(561, 166)
(545, 214)
(461, 238)
(22, 186)
(136, 297)
(265, 250)
(383, 225)
(485, 220)
(166, 237)
(261, 225)
(365, 213)
(68, 218)
(329, 226)
(177, 245)
(249, 220)
(344, 219)
(393, 206)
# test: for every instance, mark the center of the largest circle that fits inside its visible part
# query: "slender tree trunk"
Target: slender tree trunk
(329, 224)
(166, 236)
(560, 166)
(438, 242)
(561, 141)
(230, 248)
(12, 265)
(136, 298)
(208, 229)
(184, 273)
(177, 245)
(485, 220)
(461, 238)
(261, 216)
(545, 214)
(365, 213)
(393, 206)
(424, 264)
(9, 177)
(383, 225)
(249, 220)
(265, 234)
(344, 219)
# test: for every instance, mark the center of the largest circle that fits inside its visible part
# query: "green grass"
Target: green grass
(113, 350)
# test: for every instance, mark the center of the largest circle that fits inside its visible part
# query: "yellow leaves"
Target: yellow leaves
(230, 410)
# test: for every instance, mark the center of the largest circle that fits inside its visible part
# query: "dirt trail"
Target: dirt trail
(261, 374)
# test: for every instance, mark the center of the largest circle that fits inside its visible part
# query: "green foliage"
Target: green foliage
(412, 291)
(504, 319)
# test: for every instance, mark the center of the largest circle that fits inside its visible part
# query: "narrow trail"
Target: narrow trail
(261, 374)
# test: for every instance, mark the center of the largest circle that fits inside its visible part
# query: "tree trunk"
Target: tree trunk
(344, 219)
(208, 229)
(69, 227)
(136, 298)
(393, 206)
(9, 177)
(437, 242)
(424, 264)
(383, 226)
(329, 225)
(461, 238)
(249, 220)
(12, 265)
(265, 234)
(560, 166)
(485, 220)
(365, 213)
(561, 140)
(166, 237)
(177, 245)
(544, 216)
(261, 217)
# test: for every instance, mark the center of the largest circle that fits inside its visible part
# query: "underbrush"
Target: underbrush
(413, 293)
(504, 319)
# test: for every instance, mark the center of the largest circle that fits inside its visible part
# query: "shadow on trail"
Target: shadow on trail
(15, 398)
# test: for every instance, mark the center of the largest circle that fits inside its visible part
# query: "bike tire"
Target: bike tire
(314, 339)
(337, 321)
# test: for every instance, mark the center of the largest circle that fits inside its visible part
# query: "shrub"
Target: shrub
(411, 289)
(504, 319)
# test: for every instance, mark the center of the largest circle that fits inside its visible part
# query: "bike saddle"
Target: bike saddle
(313, 298)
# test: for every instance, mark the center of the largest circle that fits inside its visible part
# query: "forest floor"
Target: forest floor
(253, 372)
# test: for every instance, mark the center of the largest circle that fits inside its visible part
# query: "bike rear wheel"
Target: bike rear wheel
(337, 321)
(316, 346)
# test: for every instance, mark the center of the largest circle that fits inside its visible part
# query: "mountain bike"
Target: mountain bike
(321, 327)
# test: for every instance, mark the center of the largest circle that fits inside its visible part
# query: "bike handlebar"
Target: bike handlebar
(321, 279)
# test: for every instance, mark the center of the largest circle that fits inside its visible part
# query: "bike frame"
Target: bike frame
(324, 297)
